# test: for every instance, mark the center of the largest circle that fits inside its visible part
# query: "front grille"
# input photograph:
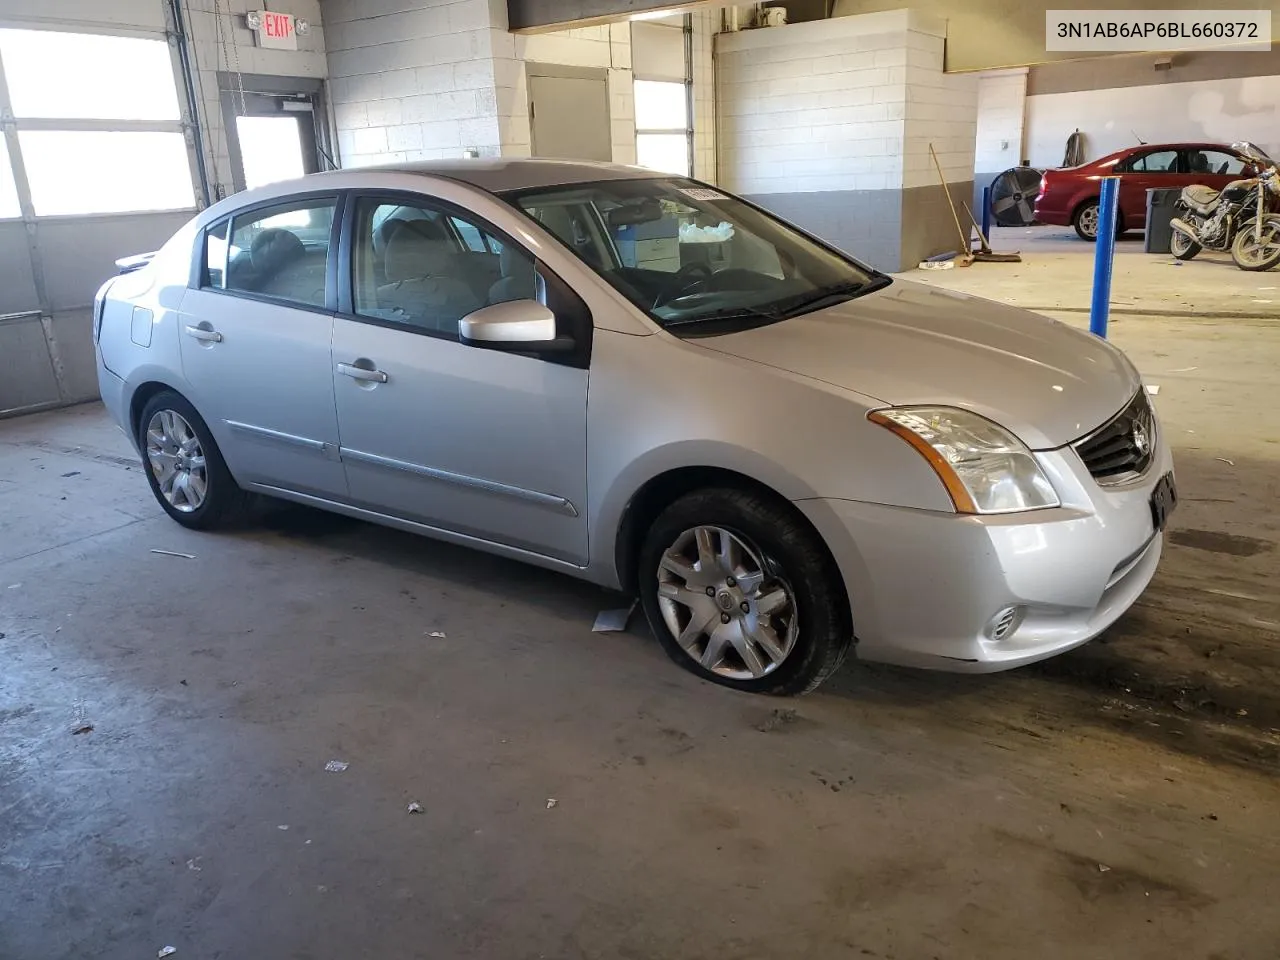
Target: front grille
(1122, 447)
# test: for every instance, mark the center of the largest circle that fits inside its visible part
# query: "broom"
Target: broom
(968, 257)
(985, 253)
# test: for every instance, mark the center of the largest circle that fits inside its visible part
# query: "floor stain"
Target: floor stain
(1217, 542)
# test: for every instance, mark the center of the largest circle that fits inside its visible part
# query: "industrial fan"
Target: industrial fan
(1013, 196)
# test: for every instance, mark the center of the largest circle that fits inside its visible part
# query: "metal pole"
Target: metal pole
(986, 212)
(1100, 308)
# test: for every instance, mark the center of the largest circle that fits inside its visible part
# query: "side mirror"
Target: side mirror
(516, 326)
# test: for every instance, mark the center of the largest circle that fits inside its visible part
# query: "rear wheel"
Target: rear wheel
(1086, 221)
(1087, 218)
(741, 592)
(1257, 249)
(188, 476)
(1183, 247)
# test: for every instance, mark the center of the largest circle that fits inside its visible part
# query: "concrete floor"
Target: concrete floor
(1119, 801)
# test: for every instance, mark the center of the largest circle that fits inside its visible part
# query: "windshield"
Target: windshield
(688, 254)
(1253, 151)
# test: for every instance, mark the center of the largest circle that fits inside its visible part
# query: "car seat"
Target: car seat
(517, 281)
(283, 268)
(420, 289)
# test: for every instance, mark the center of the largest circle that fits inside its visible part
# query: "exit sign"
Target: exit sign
(277, 31)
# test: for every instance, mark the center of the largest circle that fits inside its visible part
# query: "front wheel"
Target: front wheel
(1257, 249)
(1183, 247)
(741, 592)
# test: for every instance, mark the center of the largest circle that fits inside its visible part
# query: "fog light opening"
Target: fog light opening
(1005, 622)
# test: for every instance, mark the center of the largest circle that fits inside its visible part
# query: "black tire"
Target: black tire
(1089, 212)
(1243, 239)
(1085, 221)
(224, 504)
(1187, 252)
(793, 554)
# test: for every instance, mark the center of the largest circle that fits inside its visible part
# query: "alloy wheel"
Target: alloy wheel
(726, 604)
(177, 461)
(1253, 251)
(1089, 221)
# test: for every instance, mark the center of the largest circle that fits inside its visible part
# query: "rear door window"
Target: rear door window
(1157, 161)
(280, 251)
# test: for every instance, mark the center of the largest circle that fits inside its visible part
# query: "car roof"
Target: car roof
(498, 174)
(1191, 145)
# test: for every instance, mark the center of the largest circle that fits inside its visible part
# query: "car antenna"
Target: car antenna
(1141, 142)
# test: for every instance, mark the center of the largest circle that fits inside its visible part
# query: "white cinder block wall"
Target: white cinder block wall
(446, 77)
(413, 84)
(1002, 97)
(226, 44)
(814, 106)
(829, 122)
(942, 110)
(606, 47)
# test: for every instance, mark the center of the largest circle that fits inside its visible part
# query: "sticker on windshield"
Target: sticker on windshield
(703, 193)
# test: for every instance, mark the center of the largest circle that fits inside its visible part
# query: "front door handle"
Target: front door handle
(204, 333)
(361, 373)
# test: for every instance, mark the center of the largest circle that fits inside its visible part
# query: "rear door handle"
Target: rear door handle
(361, 373)
(200, 333)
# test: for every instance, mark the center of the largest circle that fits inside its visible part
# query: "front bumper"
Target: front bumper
(925, 586)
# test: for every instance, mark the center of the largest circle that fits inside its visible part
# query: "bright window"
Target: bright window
(88, 76)
(662, 126)
(667, 152)
(98, 171)
(661, 105)
(71, 94)
(270, 149)
(9, 207)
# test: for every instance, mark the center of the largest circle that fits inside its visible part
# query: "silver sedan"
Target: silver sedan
(651, 384)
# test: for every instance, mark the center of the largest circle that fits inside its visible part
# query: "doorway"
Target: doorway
(569, 112)
(275, 128)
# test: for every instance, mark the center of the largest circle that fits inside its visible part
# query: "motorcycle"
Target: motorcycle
(1237, 218)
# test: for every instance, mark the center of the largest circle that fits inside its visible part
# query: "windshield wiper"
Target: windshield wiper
(729, 313)
(846, 289)
(788, 307)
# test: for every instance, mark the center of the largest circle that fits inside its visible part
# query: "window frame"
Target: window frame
(686, 131)
(14, 124)
(199, 273)
(1178, 162)
(1245, 162)
(575, 315)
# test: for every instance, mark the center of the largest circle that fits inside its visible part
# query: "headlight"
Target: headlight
(985, 468)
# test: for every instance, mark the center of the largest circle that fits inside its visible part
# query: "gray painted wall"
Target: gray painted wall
(891, 230)
(866, 224)
(49, 360)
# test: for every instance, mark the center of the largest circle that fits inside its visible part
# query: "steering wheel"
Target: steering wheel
(682, 282)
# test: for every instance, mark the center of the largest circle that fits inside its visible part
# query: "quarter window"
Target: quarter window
(1215, 162)
(215, 255)
(428, 270)
(280, 251)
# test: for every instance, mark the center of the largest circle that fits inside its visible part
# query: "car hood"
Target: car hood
(915, 344)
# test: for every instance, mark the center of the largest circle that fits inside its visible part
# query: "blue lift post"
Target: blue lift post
(1100, 308)
(986, 213)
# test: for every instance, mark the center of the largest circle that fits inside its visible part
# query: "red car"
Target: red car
(1069, 196)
